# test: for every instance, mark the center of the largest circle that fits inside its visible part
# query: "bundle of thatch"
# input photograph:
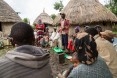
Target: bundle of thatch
(7, 17)
(46, 19)
(81, 12)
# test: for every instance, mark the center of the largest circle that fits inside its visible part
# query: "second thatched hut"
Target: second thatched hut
(46, 19)
(87, 12)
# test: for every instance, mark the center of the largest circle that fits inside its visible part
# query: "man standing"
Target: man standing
(64, 28)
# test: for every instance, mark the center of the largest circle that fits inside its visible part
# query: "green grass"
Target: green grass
(115, 32)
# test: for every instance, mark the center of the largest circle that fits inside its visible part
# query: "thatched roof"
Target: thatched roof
(86, 11)
(45, 18)
(7, 14)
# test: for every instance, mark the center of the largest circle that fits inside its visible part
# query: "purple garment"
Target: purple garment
(77, 29)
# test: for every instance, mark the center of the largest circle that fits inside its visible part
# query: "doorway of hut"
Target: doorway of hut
(46, 28)
(0, 26)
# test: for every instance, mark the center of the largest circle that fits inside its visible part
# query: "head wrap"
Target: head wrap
(108, 33)
(39, 21)
(86, 27)
(86, 49)
(92, 31)
(98, 28)
(77, 28)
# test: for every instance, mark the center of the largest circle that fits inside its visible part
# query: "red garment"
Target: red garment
(40, 37)
(40, 33)
(70, 45)
(66, 26)
(40, 26)
(66, 23)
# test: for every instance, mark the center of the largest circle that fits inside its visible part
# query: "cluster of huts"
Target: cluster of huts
(79, 13)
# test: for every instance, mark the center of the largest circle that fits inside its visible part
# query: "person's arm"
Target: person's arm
(73, 74)
(69, 71)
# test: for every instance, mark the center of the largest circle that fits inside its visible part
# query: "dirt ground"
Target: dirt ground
(56, 67)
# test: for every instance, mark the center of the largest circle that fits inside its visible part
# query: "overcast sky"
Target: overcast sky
(32, 8)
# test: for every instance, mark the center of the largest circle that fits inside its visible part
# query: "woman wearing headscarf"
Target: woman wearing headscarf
(70, 46)
(87, 62)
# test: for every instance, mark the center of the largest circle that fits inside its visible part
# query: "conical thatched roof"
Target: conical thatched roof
(7, 14)
(86, 11)
(45, 18)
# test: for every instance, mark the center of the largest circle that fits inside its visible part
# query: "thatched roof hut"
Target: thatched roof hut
(46, 19)
(7, 17)
(81, 12)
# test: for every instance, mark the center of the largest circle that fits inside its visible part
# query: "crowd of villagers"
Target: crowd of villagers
(93, 53)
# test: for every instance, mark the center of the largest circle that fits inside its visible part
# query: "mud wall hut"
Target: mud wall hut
(7, 17)
(87, 12)
(46, 19)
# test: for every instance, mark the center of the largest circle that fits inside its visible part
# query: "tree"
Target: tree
(112, 6)
(26, 20)
(58, 6)
(53, 16)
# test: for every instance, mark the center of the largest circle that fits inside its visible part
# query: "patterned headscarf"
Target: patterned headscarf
(86, 49)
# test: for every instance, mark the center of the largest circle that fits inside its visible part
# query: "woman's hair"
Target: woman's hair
(92, 31)
(98, 28)
(22, 34)
(86, 49)
(63, 15)
(86, 27)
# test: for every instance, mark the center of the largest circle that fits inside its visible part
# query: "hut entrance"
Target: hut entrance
(0, 26)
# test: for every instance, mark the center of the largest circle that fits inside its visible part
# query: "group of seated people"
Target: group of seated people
(56, 39)
(94, 55)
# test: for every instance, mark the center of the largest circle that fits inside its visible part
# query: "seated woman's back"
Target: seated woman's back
(97, 70)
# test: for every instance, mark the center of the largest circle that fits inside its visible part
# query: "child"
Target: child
(44, 42)
(52, 37)
(57, 40)
(70, 46)
(53, 34)
(68, 71)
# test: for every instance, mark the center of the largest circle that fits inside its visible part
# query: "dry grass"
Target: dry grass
(45, 18)
(86, 11)
(4, 50)
(7, 14)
